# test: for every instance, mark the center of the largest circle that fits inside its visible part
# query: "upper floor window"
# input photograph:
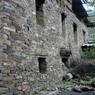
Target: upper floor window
(60, 2)
(40, 12)
(84, 36)
(70, 1)
(63, 16)
(75, 32)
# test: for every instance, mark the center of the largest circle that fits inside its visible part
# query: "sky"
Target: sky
(88, 7)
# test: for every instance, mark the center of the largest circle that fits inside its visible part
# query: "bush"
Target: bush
(89, 53)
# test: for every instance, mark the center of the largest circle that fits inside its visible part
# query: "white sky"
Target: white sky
(88, 7)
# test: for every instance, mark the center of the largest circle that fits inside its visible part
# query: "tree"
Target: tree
(91, 2)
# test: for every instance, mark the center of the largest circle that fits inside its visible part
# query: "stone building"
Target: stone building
(37, 39)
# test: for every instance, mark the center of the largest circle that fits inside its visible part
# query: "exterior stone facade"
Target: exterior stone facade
(35, 39)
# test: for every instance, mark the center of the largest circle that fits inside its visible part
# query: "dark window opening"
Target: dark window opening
(64, 60)
(75, 27)
(65, 54)
(40, 12)
(84, 36)
(75, 32)
(63, 16)
(69, 1)
(60, 2)
(42, 65)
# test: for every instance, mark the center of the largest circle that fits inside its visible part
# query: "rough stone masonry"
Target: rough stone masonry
(37, 39)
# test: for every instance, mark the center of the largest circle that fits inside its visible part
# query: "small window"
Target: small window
(60, 2)
(65, 54)
(84, 36)
(69, 1)
(42, 65)
(75, 32)
(63, 16)
(39, 12)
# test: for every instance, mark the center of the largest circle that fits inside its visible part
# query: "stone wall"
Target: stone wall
(74, 43)
(30, 50)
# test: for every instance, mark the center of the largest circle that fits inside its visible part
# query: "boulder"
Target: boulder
(76, 89)
(67, 76)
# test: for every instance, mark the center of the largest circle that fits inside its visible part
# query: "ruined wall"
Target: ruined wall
(24, 44)
(29, 49)
(76, 32)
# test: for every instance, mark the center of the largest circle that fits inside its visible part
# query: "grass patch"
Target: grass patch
(44, 88)
(69, 83)
(89, 53)
(73, 82)
(35, 93)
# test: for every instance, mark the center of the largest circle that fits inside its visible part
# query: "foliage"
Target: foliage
(35, 93)
(69, 83)
(92, 3)
(44, 88)
(73, 82)
(92, 34)
(89, 53)
(89, 80)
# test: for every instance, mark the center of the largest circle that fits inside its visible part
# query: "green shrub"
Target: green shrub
(35, 93)
(89, 53)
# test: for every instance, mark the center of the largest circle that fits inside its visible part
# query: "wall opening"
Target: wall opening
(75, 32)
(60, 2)
(65, 54)
(42, 65)
(69, 1)
(84, 36)
(40, 12)
(63, 16)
